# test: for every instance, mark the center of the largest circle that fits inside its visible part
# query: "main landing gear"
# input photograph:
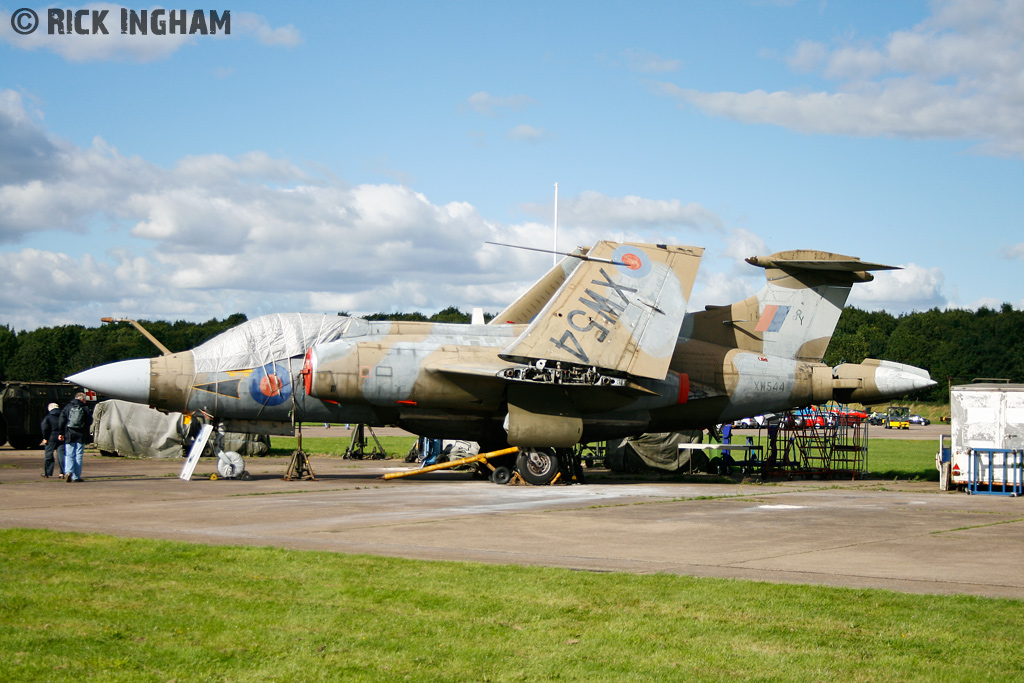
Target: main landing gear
(535, 466)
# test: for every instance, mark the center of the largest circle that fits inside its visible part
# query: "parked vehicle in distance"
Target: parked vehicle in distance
(847, 417)
(755, 422)
(918, 420)
(809, 417)
(897, 417)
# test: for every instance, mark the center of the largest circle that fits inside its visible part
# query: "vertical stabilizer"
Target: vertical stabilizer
(620, 311)
(794, 314)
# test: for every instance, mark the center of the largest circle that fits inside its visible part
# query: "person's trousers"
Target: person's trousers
(73, 453)
(54, 450)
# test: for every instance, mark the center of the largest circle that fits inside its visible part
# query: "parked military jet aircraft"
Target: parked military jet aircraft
(601, 347)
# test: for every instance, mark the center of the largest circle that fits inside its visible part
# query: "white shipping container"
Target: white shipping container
(984, 416)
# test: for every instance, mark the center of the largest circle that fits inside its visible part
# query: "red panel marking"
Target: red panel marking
(271, 385)
(307, 371)
(684, 388)
(632, 261)
(767, 315)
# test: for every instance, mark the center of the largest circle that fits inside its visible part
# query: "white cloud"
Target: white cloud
(136, 47)
(809, 55)
(526, 133)
(644, 61)
(956, 75)
(720, 289)
(742, 244)
(912, 288)
(253, 24)
(594, 210)
(489, 105)
(213, 235)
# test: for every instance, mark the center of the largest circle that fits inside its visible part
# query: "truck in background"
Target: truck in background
(897, 417)
(987, 428)
(23, 407)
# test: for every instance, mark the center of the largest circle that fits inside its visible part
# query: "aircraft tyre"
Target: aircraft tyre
(501, 475)
(537, 466)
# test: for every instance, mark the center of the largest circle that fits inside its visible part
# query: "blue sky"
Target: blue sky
(357, 156)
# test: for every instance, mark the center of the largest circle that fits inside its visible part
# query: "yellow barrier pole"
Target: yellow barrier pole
(479, 457)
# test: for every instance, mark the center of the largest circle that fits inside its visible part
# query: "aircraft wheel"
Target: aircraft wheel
(245, 476)
(501, 475)
(537, 466)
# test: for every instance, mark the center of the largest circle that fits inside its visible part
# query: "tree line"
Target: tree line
(956, 346)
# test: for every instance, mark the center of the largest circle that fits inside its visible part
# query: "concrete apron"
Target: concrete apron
(900, 536)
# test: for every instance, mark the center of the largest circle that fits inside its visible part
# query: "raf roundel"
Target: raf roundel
(270, 385)
(634, 262)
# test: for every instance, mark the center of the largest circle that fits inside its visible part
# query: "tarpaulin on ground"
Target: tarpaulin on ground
(651, 451)
(135, 430)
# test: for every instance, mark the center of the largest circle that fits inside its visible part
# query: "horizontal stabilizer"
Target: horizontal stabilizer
(807, 259)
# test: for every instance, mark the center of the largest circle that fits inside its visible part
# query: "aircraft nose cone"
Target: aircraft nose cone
(127, 380)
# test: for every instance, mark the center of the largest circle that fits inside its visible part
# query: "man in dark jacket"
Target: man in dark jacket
(50, 427)
(75, 420)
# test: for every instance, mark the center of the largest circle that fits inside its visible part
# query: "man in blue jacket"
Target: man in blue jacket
(75, 420)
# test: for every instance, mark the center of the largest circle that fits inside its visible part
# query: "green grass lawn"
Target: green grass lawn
(395, 446)
(897, 458)
(79, 607)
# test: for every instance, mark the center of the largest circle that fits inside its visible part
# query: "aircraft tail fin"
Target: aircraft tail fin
(619, 311)
(795, 313)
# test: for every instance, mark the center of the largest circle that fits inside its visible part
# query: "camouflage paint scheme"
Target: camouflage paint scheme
(601, 347)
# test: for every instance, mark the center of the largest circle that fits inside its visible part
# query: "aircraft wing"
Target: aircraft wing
(494, 370)
(620, 311)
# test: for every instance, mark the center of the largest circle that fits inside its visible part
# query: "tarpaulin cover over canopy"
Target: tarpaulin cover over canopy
(272, 337)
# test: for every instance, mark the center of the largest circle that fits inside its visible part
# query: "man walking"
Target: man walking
(50, 427)
(75, 421)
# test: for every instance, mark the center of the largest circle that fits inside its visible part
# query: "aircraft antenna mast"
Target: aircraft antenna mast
(554, 247)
